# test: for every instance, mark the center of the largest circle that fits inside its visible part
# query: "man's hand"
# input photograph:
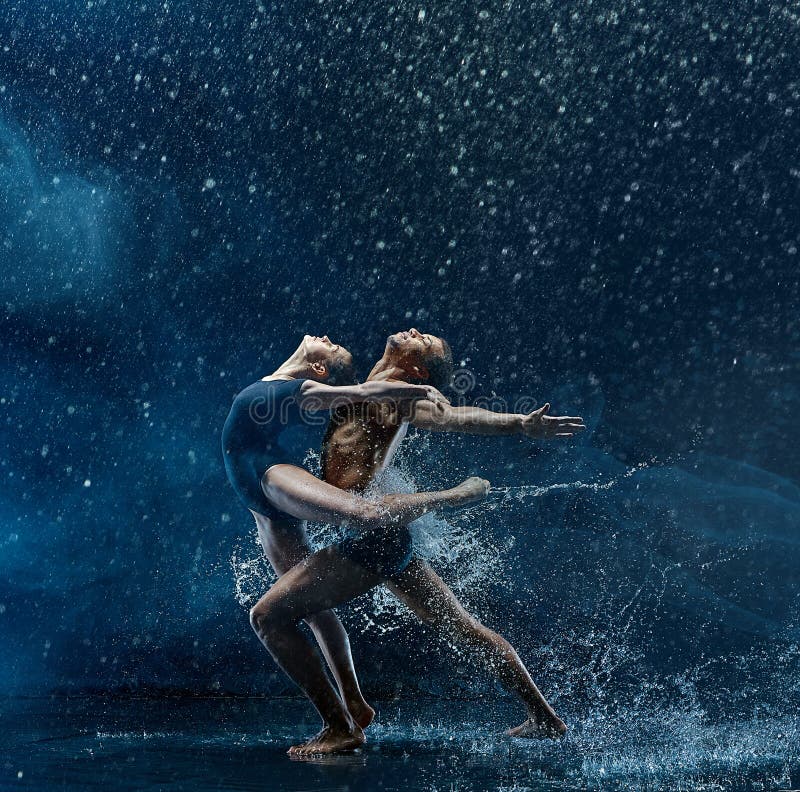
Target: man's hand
(541, 425)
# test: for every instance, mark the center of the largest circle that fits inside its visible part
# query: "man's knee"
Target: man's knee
(466, 628)
(257, 614)
(267, 616)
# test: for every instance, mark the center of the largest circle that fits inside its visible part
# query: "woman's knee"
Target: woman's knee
(268, 481)
(322, 618)
(324, 622)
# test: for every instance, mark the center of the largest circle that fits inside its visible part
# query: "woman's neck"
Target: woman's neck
(293, 368)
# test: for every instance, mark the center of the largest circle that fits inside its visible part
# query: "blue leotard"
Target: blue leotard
(267, 426)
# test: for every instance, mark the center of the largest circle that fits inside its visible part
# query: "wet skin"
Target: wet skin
(323, 580)
(359, 443)
(326, 579)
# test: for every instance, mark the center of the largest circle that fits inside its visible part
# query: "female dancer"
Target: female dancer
(264, 441)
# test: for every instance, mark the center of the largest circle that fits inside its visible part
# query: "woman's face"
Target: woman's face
(320, 349)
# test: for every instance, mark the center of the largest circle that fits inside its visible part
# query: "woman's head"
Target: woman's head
(326, 361)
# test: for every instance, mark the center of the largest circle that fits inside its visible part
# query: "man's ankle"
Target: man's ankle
(343, 723)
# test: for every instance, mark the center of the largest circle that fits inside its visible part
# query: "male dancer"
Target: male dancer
(359, 443)
(270, 426)
(308, 588)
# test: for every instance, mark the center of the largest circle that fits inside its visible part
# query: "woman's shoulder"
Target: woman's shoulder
(275, 388)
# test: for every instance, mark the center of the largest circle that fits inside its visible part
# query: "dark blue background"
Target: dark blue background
(595, 203)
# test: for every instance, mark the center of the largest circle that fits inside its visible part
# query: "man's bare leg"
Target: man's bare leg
(285, 544)
(432, 600)
(321, 582)
(325, 580)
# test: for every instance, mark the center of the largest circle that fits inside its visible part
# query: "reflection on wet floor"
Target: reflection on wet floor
(240, 744)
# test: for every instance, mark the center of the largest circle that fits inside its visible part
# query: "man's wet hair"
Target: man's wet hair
(440, 369)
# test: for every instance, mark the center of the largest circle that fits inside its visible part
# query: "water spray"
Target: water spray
(524, 491)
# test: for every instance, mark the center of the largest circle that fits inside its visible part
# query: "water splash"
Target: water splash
(458, 549)
(524, 491)
(631, 566)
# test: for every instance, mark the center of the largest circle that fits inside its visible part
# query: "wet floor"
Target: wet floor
(447, 746)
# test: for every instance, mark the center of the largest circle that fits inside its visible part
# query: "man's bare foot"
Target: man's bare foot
(361, 712)
(329, 741)
(471, 490)
(532, 729)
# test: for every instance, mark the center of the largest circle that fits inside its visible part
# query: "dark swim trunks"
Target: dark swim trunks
(266, 426)
(386, 551)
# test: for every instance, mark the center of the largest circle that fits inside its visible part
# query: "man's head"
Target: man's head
(326, 361)
(421, 356)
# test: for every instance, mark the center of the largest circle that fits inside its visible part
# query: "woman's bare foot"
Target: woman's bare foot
(329, 741)
(361, 712)
(471, 490)
(532, 729)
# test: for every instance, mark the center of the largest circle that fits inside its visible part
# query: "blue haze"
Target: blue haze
(595, 203)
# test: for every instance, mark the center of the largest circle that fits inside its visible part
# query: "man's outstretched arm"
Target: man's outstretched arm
(442, 417)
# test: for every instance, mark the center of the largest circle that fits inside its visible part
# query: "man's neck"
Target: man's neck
(388, 369)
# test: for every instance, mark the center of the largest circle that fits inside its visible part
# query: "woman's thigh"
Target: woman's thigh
(295, 491)
(284, 541)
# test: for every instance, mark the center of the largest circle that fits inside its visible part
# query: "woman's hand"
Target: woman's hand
(435, 396)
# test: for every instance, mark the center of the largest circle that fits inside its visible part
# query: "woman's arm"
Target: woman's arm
(319, 396)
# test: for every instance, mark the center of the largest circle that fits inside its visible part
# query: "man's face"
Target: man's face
(414, 346)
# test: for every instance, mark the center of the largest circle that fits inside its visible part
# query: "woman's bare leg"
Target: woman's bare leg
(294, 490)
(335, 645)
(321, 582)
(285, 545)
(432, 600)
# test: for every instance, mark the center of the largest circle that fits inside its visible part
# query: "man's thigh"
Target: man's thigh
(427, 595)
(323, 580)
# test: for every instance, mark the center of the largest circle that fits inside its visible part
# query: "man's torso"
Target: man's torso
(359, 442)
